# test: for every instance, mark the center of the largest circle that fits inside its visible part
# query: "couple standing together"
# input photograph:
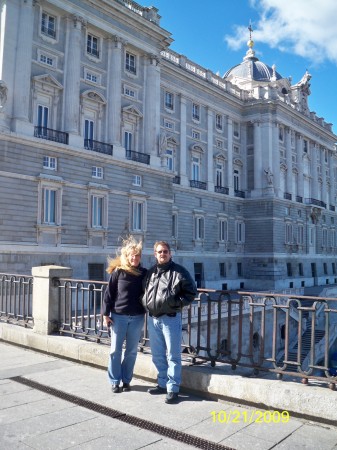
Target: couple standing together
(162, 291)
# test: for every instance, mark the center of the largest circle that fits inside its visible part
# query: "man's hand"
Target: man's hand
(107, 321)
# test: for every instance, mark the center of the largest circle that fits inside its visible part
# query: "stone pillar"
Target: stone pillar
(332, 178)
(114, 91)
(72, 75)
(257, 158)
(324, 191)
(314, 173)
(299, 153)
(22, 76)
(289, 179)
(210, 158)
(46, 311)
(183, 151)
(276, 158)
(230, 173)
(152, 105)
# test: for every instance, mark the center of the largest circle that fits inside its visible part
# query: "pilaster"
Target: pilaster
(183, 150)
(115, 47)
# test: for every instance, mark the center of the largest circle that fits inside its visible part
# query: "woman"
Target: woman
(124, 312)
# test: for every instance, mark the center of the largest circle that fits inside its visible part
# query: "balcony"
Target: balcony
(240, 194)
(287, 196)
(176, 179)
(332, 208)
(299, 199)
(315, 202)
(100, 147)
(198, 184)
(137, 156)
(221, 190)
(51, 135)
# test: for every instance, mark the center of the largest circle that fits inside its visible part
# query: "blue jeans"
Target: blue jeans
(165, 335)
(128, 328)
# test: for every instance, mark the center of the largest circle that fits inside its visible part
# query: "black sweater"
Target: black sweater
(124, 292)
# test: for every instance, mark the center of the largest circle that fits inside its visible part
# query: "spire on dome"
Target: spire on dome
(250, 52)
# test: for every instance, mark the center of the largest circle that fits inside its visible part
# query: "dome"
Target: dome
(253, 69)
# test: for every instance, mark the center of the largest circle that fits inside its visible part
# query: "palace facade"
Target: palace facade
(105, 131)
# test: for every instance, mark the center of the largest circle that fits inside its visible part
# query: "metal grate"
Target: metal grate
(127, 418)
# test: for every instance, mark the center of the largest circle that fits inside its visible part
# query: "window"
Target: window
(195, 112)
(236, 149)
(324, 237)
(300, 235)
(97, 172)
(42, 116)
(222, 270)
(128, 140)
(92, 45)
(239, 232)
(46, 59)
(137, 219)
(289, 270)
(91, 77)
(218, 122)
(169, 100)
(169, 159)
(96, 211)
(169, 125)
(288, 233)
(175, 225)
(223, 230)
(130, 63)
(281, 134)
(196, 135)
(49, 162)
(130, 92)
(300, 269)
(236, 129)
(219, 143)
(137, 180)
(199, 228)
(219, 174)
(325, 268)
(49, 206)
(236, 180)
(305, 146)
(195, 168)
(48, 25)
(88, 133)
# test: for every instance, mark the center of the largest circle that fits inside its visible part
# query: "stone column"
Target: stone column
(72, 75)
(210, 158)
(276, 158)
(152, 105)
(324, 192)
(299, 153)
(289, 179)
(183, 151)
(332, 178)
(46, 310)
(22, 76)
(114, 75)
(314, 173)
(257, 158)
(230, 173)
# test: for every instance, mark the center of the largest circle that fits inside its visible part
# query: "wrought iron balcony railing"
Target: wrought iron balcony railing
(314, 201)
(299, 199)
(137, 156)
(51, 135)
(240, 194)
(198, 184)
(221, 190)
(287, 196)
(100, 147)
(176, 180)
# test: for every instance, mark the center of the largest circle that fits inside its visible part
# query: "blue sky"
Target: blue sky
(298, 36)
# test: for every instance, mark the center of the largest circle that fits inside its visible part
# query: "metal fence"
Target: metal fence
(16, 298)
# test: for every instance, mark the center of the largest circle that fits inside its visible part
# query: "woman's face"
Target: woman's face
(134, 259)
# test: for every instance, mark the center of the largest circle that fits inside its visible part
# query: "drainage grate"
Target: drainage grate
(127, 418)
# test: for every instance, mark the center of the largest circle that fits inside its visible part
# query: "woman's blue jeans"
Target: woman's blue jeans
(128, 328)
(165, 335)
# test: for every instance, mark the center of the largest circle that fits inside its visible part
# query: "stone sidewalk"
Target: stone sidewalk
(52, 403)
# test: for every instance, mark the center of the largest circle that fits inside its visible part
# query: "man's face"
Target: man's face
(162, 254)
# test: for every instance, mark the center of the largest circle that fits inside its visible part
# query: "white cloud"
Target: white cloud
(304, 27)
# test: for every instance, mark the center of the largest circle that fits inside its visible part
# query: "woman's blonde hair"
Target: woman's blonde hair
(129, 245)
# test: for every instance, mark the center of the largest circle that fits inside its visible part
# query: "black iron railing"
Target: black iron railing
(51, 135)
(313, 201)
(100, 147)
(299, 199)
(221, 190)
(137, 156)
(16, 299)
(240, 194)
(176, 180)
(198, 184)
(287, 196)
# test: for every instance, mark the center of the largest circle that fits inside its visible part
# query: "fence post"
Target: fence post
(45, 297)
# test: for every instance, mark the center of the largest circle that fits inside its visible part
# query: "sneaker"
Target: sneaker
(115, 388)
(126, 387)
(156, 390)
(171, 397)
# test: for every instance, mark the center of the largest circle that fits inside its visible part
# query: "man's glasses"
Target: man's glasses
(162, 251)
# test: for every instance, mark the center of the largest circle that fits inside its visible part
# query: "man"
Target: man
(169, 287)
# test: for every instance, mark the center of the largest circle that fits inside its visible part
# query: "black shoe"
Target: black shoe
(126, 387)
(171, 397)
(115, 388)
(156, 390)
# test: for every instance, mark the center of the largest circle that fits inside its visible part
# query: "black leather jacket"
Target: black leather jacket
(168, 288)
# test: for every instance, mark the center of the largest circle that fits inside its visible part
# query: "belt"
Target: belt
(160, 315)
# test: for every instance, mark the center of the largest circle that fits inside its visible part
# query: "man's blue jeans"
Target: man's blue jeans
(128, 328)
(165, 335)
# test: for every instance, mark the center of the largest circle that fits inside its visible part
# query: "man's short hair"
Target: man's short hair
(166, 244)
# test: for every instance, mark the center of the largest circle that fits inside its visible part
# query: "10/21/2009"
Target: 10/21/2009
(253, 416)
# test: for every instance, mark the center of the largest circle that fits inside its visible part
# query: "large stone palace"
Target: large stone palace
(105, 131)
